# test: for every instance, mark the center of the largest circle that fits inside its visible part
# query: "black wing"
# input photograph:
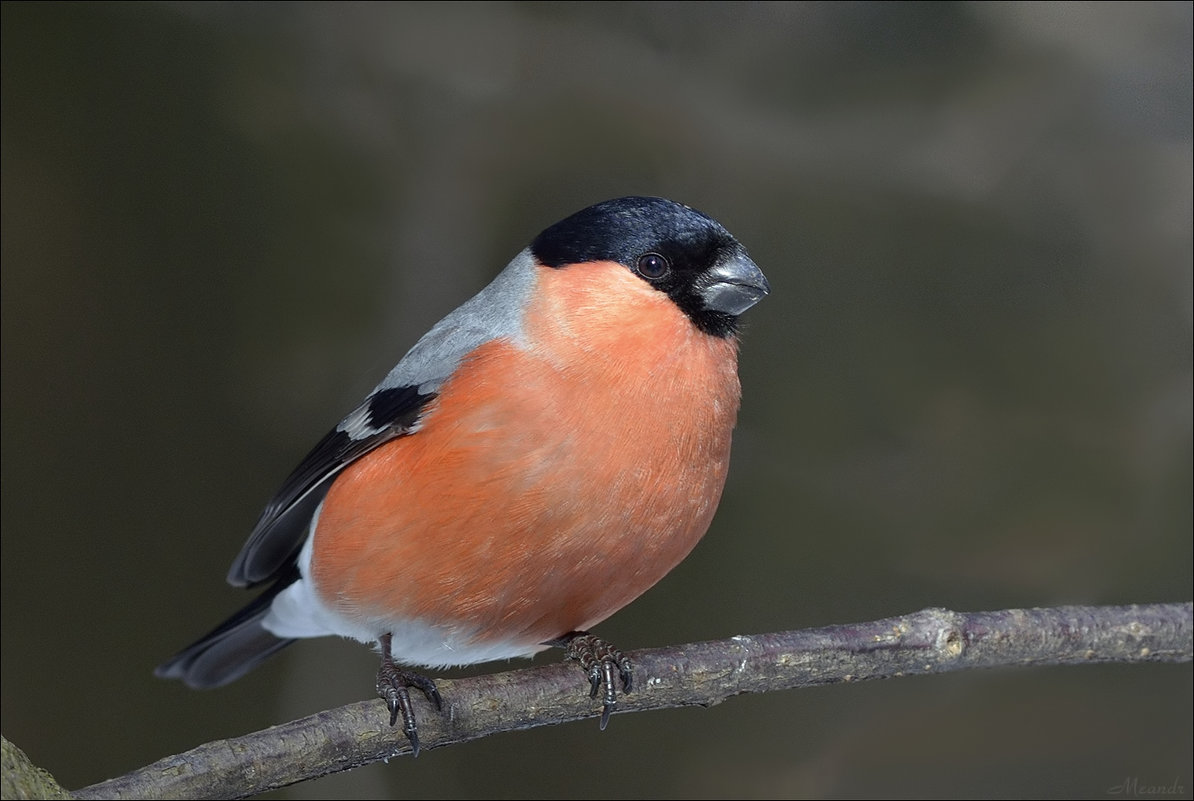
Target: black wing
(281, 530)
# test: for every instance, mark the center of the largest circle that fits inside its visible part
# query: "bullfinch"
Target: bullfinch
(539, 459)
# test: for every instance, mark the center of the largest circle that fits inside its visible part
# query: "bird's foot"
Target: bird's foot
(392, 685)
(599, 660)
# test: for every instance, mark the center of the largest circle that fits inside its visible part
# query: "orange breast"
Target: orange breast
(552, 481)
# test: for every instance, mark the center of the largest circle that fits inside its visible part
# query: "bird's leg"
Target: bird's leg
(392, 684)
(598, 659)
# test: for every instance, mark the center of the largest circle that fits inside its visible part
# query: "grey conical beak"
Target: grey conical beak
(734, 285)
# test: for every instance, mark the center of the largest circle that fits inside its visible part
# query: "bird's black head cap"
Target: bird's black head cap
(669, 245)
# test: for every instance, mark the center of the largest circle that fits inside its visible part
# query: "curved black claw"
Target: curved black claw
(392, 684)
(598, 659)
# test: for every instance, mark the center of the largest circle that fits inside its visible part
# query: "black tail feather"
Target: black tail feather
(233, 648)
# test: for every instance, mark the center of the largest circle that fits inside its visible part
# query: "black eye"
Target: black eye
(652, 266)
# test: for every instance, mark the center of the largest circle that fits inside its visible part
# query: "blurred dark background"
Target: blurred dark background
(970, 387)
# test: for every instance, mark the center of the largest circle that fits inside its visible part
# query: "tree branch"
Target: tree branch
(699, 674)
(20, 778)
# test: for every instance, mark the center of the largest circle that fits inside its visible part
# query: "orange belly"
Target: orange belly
(545, 489)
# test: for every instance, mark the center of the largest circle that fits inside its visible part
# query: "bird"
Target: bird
(541, 457)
